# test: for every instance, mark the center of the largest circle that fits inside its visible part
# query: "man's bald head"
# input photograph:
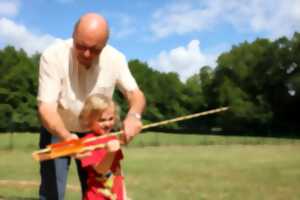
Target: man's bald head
(90, 35)
(92, 24)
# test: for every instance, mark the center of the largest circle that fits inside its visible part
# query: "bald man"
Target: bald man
(70, 71)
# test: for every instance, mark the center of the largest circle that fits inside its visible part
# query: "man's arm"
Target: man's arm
(52, 121)
(132, 124)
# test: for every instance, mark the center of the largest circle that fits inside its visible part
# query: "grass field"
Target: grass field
(169, 166)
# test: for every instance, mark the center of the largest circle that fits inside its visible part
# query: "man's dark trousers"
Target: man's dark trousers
(54, 172)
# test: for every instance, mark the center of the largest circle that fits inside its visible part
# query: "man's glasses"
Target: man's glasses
(93, 50)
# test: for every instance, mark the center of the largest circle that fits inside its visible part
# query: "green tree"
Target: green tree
(18, 90)
(163, 92)
(239, 84)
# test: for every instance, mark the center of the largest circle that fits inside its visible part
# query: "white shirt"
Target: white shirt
(63, 81)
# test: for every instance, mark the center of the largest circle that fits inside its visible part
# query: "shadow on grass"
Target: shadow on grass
(16, 198)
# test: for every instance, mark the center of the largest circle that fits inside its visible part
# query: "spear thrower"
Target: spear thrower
(92, 143)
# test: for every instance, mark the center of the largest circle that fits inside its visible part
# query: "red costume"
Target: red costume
(109, 186)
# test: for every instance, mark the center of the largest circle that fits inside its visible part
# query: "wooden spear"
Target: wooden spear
(78, 146)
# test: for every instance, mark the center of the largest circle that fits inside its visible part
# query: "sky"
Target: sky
(170, 35)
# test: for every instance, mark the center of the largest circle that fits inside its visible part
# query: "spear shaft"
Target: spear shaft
(169, 121)
(78, 145)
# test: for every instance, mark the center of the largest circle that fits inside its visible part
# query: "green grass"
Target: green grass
(168, 167)
(214, 172)
(162, 139)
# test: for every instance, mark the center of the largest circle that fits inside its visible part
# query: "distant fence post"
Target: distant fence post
(11, 141)
(156, 140)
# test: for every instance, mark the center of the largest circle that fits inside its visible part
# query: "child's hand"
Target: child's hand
(82, 155)
(113, 146)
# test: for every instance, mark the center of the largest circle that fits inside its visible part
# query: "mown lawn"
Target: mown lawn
(191, 167)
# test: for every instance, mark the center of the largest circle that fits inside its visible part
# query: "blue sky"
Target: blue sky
(170, 35)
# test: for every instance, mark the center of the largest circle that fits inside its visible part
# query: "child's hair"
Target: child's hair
(93, 106)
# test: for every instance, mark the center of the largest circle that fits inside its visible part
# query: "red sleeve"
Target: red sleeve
(96, 157)
(118, 187)
(99, 154)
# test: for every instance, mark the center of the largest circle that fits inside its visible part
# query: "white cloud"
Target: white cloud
(9, 8)
(18, 36)
(186, 61)
(122, 25)
(65, 1)
(181, 18)
(274, 17)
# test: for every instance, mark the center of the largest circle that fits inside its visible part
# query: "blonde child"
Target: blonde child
(105, 180)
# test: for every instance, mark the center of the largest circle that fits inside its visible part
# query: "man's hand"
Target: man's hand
(131, 127)
(69, 137)
(80, 155)
(132, 124)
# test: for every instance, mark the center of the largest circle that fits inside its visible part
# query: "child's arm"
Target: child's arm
(105, 165)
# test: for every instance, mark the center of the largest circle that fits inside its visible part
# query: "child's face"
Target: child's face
(106, 120)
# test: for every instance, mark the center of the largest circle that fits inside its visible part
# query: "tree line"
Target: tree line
(259, 81)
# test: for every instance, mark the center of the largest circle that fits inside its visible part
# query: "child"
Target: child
(105, 180)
